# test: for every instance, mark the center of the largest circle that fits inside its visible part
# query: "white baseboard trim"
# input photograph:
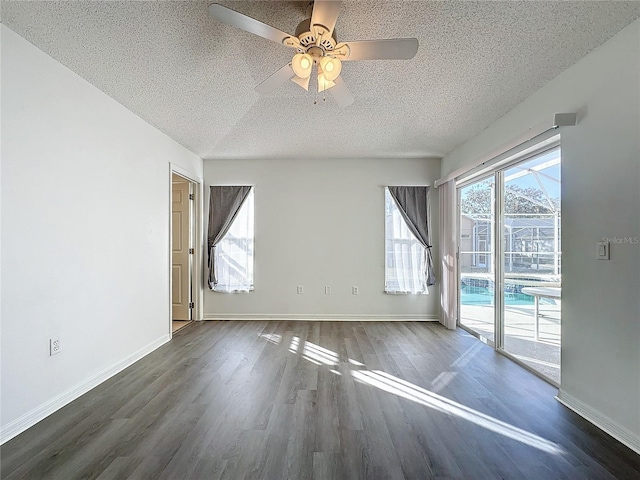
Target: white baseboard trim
(320, 317)
(29, 419)
(604, 423)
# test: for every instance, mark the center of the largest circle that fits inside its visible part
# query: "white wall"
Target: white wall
(600, 198)
(85, 233)
(321, 222)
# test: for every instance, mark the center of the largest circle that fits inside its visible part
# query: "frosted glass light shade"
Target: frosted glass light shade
(302, 64)
(331, 67)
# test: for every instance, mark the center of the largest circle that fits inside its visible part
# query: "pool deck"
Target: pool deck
(542, 355)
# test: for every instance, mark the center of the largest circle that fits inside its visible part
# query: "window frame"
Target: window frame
(220, 253)
(409, 240)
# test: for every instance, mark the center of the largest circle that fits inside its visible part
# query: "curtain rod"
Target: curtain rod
(559, 120)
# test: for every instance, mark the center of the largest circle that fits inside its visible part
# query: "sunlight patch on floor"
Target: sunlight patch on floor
(412, 392)
(376, 378)
(272, 337)
(316, 353)
(466, 357)
(295, 344)
(442, 380)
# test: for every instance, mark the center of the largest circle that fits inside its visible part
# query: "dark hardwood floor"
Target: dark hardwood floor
(318, 400)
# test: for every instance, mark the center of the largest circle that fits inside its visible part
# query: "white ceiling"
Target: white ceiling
(193, 77)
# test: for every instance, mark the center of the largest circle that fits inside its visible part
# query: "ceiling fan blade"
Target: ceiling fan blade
(325, 13)
(248, 24)
(275, 80)
(393, 49)
(341, 94)
(303, 82)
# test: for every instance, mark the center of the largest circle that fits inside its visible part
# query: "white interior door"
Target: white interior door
(180, 263)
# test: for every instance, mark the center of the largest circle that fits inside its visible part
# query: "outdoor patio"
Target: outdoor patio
(543, 354)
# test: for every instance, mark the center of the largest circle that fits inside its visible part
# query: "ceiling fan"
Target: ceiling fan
(317, 47)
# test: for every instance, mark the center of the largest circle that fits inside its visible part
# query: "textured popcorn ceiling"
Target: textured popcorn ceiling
(193, 78)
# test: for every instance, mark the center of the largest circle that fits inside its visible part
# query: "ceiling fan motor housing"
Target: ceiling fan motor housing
(309, 37)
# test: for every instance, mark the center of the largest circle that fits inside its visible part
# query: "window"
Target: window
(233, 255)
(404, 255)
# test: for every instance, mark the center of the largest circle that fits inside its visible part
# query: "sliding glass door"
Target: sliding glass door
(476, 259)
(531, 263)
(509, 260)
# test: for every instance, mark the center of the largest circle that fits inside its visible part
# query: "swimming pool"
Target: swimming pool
(473, 295)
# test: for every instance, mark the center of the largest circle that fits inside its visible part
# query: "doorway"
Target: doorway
(183, 194)
(509, 260)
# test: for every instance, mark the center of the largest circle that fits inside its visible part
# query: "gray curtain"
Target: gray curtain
(413, 204)
(224, 205)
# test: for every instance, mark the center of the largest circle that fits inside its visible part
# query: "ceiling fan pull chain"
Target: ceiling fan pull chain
(315, 102)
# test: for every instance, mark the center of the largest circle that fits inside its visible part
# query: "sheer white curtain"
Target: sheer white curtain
(448, 247)
(404, 259)
(234, 254)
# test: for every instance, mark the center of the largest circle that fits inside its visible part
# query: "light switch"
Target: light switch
(603, 251)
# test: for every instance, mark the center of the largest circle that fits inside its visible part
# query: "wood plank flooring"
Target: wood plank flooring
(318, 400)
(179, 325)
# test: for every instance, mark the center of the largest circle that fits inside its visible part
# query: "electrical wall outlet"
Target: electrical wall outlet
(54, 345)
(327, 290)
(300, 290)
(354, 290)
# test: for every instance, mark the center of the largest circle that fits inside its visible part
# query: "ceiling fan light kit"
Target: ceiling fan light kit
(302, 64)
(316, 46)
(331, 67)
